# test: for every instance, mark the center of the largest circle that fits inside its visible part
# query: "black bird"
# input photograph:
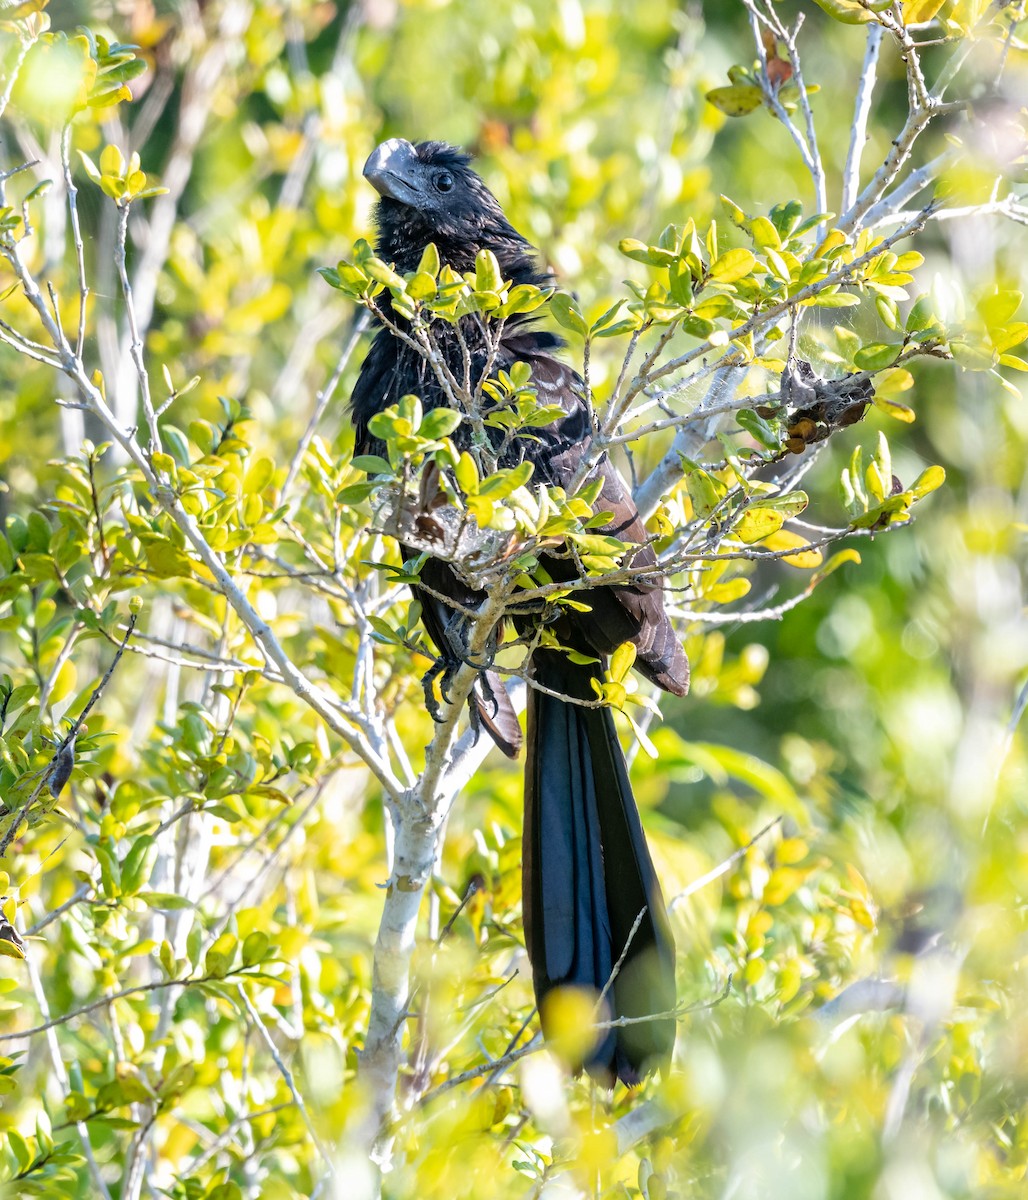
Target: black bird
(588, 878)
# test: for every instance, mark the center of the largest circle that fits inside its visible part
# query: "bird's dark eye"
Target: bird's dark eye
(443, 181)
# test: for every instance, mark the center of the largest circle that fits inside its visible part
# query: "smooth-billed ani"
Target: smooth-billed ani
(588, 878)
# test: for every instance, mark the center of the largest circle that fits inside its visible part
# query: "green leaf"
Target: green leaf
(90, 167)
(736, 214)
(736, 100)
(921, 315)
(836, 300)
(566, 313)
(732, 265)
(654, 256)
(765, 235)
(500, 485)
(372, 464)
(422, 286)
(131, 1083)
(893, 408)
(110, 870)
(755, 524)
(997, 309)
(138, 864)
(973, 356)
(165, 560)
(779, 267)
(597, 543)
(39, 533)
(487, 272)
(888, 311)
(383, 273)
(219, 957)
(165, 901)
(356, 493)
(760, 429)
(697, 327)
(524, 298)
(621, 661)
(705, 491)
(849, 12)
(40, 189)
(917, 12)
(1008, 336)
(467, 474)
(255, 947)
(876, 356)
(785, 217)
(929, 480)
(680, 283)
(429, 264)
(258, 475)
(439, 423)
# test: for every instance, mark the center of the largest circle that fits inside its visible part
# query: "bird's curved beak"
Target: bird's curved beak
(392, 170)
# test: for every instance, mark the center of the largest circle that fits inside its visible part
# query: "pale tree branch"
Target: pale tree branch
(61, 1075)
(135, 341)
(419, 817)
(861, 113)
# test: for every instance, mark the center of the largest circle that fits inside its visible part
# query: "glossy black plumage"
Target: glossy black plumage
(587, 871)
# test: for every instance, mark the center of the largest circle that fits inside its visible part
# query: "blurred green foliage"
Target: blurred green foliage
(201, 901)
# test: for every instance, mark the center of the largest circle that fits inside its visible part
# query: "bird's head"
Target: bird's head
(429, 193)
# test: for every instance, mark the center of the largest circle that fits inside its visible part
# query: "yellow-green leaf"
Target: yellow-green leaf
(917, 12)
(929, 480)
(875, 356)
(732, 265)
(736, 100)
(112, 161)
(621, 661)
(833, 564)
(467, 474)
(849, 12)
(806, 556)
(758, 523)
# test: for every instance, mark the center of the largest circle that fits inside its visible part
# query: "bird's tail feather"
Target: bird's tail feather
(591, 895)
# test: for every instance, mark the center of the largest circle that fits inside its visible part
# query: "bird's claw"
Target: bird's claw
(444, 669)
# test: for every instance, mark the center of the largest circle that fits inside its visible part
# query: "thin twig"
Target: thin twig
(81, 893)
(63, 755)
(156, 985)
(861, 112)
(322, 401)
(616, 969)
(135, 341)
(287, 1075)
(722, 868)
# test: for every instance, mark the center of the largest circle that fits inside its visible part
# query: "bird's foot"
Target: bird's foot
(458, 640)
(445, 669)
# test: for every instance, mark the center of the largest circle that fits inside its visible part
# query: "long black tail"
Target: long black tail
(588, 874)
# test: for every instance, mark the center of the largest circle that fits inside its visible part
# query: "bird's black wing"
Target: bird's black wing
(631, 612)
